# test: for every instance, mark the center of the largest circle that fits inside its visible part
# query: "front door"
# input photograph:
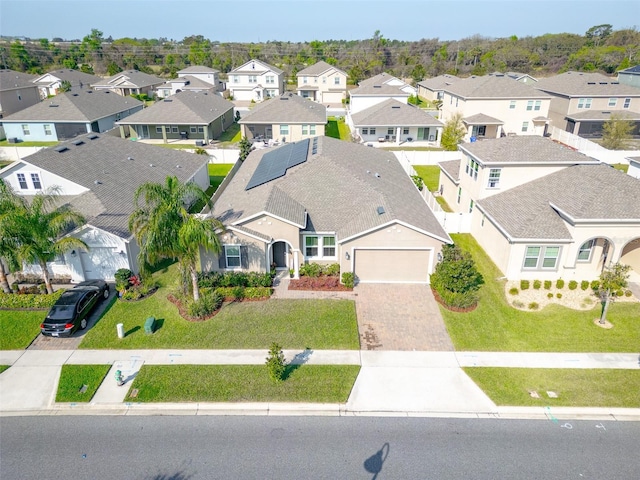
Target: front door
(280, 254)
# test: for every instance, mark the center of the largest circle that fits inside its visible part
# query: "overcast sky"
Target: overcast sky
(306, 20)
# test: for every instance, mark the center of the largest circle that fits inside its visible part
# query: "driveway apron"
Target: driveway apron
(400, 317)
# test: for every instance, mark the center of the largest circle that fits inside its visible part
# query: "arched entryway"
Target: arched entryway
(630, 255)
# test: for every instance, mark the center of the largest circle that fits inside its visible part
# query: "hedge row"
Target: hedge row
(13, 301)
(234, 279)
(249, 293)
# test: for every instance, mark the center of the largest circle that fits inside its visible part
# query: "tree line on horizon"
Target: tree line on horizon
(600, 49)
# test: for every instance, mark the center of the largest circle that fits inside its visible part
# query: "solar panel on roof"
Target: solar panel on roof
(275, 163)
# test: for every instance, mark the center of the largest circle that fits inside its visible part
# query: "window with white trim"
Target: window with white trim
(25, 130)
(158, 129)
(584, 253)
(270, 79)
(35, 179)
(320, 246)
(627, 103)
(472, 168)
(174, 129)
(584, 102)
(541, 258)
(232, 256)
(193, 129)
(613, 102)
(200, 129)
(512, 105)
(236, 79)
(336, 80)
(304, 80)
(459, 194)
(405, 131)
(537, 105)
(312, 129)
(284, 129)
(305, 129)
(471, 206)
(22, 180)
(525, 126)
(494, 177)
(365, 131)
(372, 131)
(48, 130)
(253, 79)
(529, 105)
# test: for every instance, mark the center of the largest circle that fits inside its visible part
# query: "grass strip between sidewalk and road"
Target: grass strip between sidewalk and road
(613, 388)
(19, 328)
(74, 377)
(3, 368)
(243, 383)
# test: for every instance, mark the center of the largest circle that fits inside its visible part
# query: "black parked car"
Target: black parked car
(70, 312)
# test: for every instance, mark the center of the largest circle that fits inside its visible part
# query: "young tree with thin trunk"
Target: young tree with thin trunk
(616, 132)
(452, 133)
(612, 279)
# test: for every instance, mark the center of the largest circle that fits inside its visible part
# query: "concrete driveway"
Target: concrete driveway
(400, 317)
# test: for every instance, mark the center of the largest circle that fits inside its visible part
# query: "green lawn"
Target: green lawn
(243, 383)
(4, 163)
(231, 135)
(5, 143)
(430, 174)
(443, 204)
(623, 167)
(19, 328)
(74, 377)
(336, 128)
(575, 387)
(3, 368)
(494, 326)
(217, 173)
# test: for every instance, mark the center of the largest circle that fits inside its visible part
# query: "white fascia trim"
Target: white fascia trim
(242, 232)
(391, 222)
(264, 212)
(446, 174)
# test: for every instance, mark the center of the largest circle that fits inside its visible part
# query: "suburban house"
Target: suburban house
(17, 92)
(517, 76)
(634, 167)
(255, 80)
(582, 102)
(287, 118)
(630, 76)
(494, 106)
(433, 88)
(130, 82)
(194, 79)
(327, 201)
(199, 116)
(544, 211)
(68, 115)
(323, 83)
(98, 175)
(378, 89)
(50, 82)
(396, 122)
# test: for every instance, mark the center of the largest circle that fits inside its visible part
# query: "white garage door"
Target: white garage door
(101, 263)
(392, 266)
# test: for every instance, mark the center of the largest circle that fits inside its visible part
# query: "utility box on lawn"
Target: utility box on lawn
(149, 325)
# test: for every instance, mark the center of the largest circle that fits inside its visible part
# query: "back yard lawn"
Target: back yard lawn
(495, 326)
(336, 128)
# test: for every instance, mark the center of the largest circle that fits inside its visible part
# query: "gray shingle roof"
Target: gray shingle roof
(482, 119)
(378, 85)
(451, 168)
(75, 77)
(192, 83)
(584, 192)
(288, 108)
(631, 70)
(439, 82)
(490, 86)
(10, 80)
(338, 188)
(129, 77)
(246, 67)
(603, 115)
(318, 68)
(105, 159)
(76, 106)
(184, 108)
(529, 149)
(197, 69)
(394, 113)
(585, 84)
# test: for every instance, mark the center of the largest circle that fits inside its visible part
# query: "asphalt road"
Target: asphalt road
(214, 447)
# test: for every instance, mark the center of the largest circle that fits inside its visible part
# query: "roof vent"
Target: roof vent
(74, 94)
(377, 175)
(377, 86)
(380, 210)
(78, 142)
(591, 83)
(97, 182)
(53, 105)
(395, 106)
(151, 165)
(61, 149)
(91, 91)
(93, 137)
(129, 158)
(167, 100)
(178, 166)
(284, 98)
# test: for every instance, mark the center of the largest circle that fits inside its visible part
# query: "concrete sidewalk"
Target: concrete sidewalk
(389, 383)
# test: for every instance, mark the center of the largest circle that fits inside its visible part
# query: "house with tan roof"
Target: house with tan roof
(494, 106)
(396, 122)
(378, 89)
(581, 102)
(433, 88)
(326, 201)
(198, 116)
(130, 82)
(70, 114)
(50, 82)
(322, 83)
(255, 80)
(287, 118)
(17, 92)
(98, 176)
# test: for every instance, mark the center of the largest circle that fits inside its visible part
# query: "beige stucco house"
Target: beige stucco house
(130, 82)
(327, 201)
(322, 83)
(377, 89)
(255, 80)
(433, 88)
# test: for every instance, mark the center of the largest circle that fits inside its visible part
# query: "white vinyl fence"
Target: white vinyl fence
(592, 149)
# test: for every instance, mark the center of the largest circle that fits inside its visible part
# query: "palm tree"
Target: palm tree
(164, 228)
(35, 230)
(8, 202)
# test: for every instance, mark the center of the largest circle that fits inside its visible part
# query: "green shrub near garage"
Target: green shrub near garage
(29, 300)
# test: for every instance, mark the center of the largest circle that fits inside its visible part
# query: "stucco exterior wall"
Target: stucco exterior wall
(358, 103)
(47, 179)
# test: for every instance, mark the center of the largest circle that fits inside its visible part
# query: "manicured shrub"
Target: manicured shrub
(514, 291)
(275, 363)
(628, 293)
(558, 295)
(560, 284)
(348, 279)
(209, 302)
(332, 270)
(524, 284)
(459, 299)
(533, 306)
(123, 275)
(573, 285)
(249, 293)
(310, 270)
(35, 300)
(549, 295)
(595, 285)
(620, 293)
(457, 279)
(417, 180)
(584, 284)
(537, 284)
(547, 284)
(238, 293)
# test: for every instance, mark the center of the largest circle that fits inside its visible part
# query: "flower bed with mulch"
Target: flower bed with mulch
(183, 311)
(438, 298)
(323, 283)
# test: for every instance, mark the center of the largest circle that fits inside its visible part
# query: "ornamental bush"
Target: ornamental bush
(547, 284)
(573, 285)
(456, 278)
(13, 301)
(275, 363)
(537, 284)
(524, 284)
(584, 285)
(514, 291)
(348, 279)
(559, 284)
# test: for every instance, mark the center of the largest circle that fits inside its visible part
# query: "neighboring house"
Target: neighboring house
(493, 106)
(288, 118)
(394, 121)
(323, 83)
(50, 82)
(493, 166)
(194, 79)
(204, 74)
(193, 115)
(518, 77)
(327, 201)
(68, 115)
(630, 76)
(378, 89)
(130, 82)
(98, 176)
(255, 80)
(17, 92)
(433, 88)
(582, 102)
(634, 167)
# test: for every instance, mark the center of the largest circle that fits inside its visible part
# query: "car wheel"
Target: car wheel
(83, 324)
(106, 294)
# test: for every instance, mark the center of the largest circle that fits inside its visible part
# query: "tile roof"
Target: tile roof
(394, 113)
(585, 84)
(318, 68)
(186, 108)
(340, 189)
(530, 149)
(244, 68)
(489, 86)
(379, 85)
(439, 82)
(75, 77)
(197, 69)
(120, 166)
(76, 106)
(129, 77)
(583, 192)
(10, 80)
(287, 108)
